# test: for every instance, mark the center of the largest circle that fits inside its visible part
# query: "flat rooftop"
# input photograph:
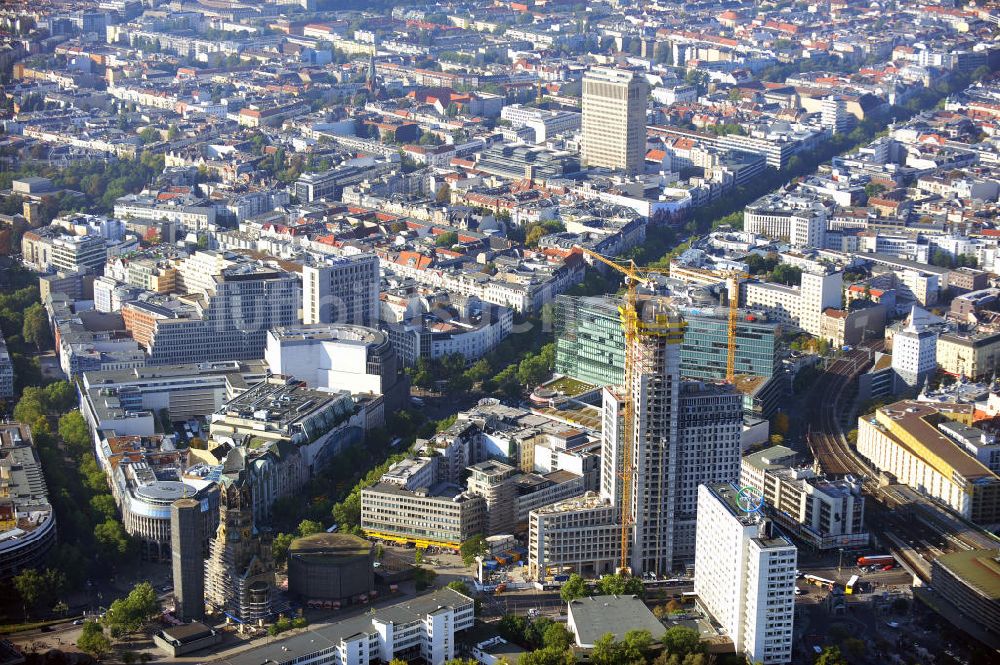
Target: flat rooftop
(979, 569)
(771, 458)
(588, 501)
(332, 544)
(404, 469)
(560, 476)
(329, 332)
(597, 615)
(325, 636)
(187, 632)
(279, 402)
(748, 384)
(919, 420)
(728, 494)
(442, 490)
(772, 286)
(144, 375)
(24, 504)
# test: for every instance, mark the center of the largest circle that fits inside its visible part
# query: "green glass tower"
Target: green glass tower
(590, 344)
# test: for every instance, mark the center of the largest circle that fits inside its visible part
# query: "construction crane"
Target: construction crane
(734, 279)
(634, 327)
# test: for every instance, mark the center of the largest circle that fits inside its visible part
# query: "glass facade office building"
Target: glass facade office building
(590, 343)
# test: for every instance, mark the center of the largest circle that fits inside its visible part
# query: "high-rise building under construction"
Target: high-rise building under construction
(683, 433)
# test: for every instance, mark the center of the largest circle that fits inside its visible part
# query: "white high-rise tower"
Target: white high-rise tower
(744, 574)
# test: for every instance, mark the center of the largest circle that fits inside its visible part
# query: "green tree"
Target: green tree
(36, 326)
(619, 585)
(471, 548)
(547, 656)
(446, 239)
(557, 637)
(573, 588)
(132, 613)
(309, 527)
(60, 396)
(663, 54)
(347, 513)
(430, 138)
(786, 274)
(149, 135)
(38, 588)
(280, 545)
(534, 235)
(855, 648)
(31, 406)
(874, 189)
(443, 194)
(460, 587)
(423, 375)
(780, 423)
(422, 577)
(93, 641)
(681, 640)
(74, 431)
(536, 368)
(831, 656)
(941, 259)
(607, 651)
(479, 371)
(111, 540)
(667, 658)
(513, 628)
(635, 644)
(104, 506)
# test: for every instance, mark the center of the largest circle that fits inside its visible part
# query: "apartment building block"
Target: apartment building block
(441, 515)
(800, 306)
(745, 575)
(344, 290)
(906, 440)
(823, 513)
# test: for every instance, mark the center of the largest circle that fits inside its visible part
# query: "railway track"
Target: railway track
(826, 438)
(907, 537)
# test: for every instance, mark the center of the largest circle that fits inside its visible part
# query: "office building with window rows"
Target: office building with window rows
(590, 343)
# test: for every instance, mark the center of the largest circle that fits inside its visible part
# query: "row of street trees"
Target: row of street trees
(550, 643)
(92, 540)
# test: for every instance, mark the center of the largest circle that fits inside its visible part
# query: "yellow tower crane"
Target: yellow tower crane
(734, 279)
(634, 327)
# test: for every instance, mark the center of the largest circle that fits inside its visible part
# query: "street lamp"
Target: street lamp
(840, 559)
